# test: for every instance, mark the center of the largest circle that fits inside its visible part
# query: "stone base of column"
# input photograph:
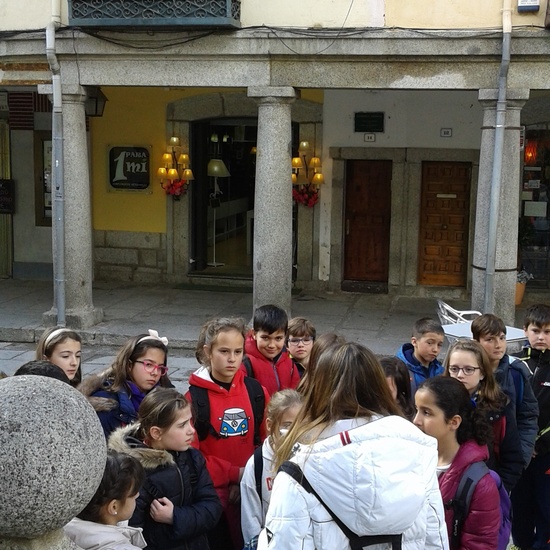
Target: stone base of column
(55, 540)
(75, 318)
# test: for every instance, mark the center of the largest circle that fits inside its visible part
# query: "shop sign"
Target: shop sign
(129, 167)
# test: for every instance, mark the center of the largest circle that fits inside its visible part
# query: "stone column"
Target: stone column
(507, 237)
(80, 311)
(272, 260)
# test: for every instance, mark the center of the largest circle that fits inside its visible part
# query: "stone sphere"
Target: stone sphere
(52, 455)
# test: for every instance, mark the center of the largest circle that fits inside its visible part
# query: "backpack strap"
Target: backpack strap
(248, 366)
(356, 542)
(463, 497)
(258, 471)
(257, 400)
(201, 413)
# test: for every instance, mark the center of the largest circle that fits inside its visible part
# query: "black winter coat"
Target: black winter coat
(526, 406)
(181, 477)
(539, 363)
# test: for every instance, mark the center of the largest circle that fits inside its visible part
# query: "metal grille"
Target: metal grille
(218, 13)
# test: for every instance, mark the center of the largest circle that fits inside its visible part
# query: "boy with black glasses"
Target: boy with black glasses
(301, 335)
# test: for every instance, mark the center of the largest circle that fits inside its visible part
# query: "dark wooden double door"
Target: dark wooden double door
(443, 231)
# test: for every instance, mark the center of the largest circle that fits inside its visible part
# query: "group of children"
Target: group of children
(505, 425)
(197, 471)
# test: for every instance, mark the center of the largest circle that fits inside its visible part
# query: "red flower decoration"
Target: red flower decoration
(306, 195)
(176, 187)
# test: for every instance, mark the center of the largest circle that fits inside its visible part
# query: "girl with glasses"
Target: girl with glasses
(117, 393)
(468, 362)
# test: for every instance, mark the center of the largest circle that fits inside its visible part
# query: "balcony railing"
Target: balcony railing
(155, 13)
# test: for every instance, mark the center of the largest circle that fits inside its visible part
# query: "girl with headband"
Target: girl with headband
(62, 347)
(140, 366)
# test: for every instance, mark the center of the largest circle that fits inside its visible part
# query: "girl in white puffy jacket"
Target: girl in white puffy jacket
(281, 412)
(374, 469)
(103, 524)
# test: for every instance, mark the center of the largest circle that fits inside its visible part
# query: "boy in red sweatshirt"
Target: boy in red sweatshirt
(267, 359)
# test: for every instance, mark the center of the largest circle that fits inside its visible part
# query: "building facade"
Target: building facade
(430, 139)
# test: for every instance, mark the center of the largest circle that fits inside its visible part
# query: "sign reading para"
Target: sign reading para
(129, 167)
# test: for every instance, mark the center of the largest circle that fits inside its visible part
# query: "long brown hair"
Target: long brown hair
(348, 382)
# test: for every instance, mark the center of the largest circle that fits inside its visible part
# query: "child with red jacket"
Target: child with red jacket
(233, 426)
(267, 359)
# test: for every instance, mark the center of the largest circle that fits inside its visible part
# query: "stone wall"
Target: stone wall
(130, 256)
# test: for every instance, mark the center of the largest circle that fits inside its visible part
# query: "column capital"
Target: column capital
(273, 94)
(517, 96)
(72, 91)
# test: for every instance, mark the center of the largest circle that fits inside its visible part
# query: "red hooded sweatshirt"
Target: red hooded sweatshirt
(274, 375)
(227, 454)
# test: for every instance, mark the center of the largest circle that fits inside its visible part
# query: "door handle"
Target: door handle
(444, 227)
(347, 227)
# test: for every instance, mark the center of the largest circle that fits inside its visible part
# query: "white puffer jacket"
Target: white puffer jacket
(378, 477)
(97, 536)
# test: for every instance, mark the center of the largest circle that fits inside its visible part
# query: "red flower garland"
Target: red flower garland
(176, 188)
(306, 195)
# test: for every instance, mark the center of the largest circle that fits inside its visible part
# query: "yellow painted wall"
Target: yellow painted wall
(448, 14)
(313, 13)
(133, 116)
(28, 14)
(137, 116)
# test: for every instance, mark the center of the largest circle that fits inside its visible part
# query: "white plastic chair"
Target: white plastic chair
(450, 316)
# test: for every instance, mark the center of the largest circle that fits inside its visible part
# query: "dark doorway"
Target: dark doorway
(367, 225)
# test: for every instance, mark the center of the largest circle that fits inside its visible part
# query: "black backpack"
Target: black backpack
(201, 409)
(356, 542)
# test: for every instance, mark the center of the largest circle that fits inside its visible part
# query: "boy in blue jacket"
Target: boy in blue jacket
(420, 355)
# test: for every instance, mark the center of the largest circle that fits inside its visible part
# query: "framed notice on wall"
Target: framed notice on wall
(7, 197)
(129, 168)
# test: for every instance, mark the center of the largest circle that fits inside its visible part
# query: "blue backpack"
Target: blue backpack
(463, 496)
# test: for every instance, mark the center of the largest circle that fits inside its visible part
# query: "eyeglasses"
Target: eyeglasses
(306, 340)
(151, 367)
(468, 371)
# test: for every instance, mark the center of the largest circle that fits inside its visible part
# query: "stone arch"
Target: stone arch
(235, 104)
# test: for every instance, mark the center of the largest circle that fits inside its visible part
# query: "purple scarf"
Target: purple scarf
(136, 395)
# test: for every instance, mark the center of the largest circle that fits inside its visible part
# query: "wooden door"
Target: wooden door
(444, 213)
(367, 220)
